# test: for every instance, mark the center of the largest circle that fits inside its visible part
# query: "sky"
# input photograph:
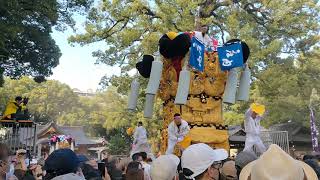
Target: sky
(76, 67)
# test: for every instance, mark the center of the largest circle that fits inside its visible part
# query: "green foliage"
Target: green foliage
(47, 100)
(286, 88)
(282, 37)
(26, 46)
(104, 114)
(119, 142)
(133, 28)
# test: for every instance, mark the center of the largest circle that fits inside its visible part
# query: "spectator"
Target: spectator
(5, 171)
(37, 172)
(307, 156)
(84, 160)
(146, 167)
(134, 171)
(21, 160)
(137, 157)
(62, 164)
(277, 164)
(113, 169)
(20, 169)
(201, 162)
(123, 164)
(89, 168)
(244, 158)
(135, 175)
(90, 173)
(164, 167)
(228, 171)
(134, 165)
(315, 166)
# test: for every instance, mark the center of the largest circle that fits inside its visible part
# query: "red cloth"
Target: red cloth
(176, 62)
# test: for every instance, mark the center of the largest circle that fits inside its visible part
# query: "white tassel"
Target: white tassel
(57, 145)
(183, 86)
(148, 107)
(134, 93)
(229, 95)
(154, 81)
(72, 145)
(244, 87)
(51, 149)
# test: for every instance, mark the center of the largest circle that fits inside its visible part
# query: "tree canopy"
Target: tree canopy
(26, 46)
(282, 36)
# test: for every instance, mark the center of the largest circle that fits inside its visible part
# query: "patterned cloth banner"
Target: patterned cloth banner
(314, 132)
(230, 56)
(197, 54)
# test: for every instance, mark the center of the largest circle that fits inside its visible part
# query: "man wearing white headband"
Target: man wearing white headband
(177, 130)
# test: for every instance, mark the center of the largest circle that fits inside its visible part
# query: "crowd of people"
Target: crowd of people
(198, 162)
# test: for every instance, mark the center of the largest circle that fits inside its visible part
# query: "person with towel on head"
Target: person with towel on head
(253, 117)
(177, 131)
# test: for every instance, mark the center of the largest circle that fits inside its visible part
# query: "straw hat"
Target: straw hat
(275, 164)
(164, 167)
(258, 108)
(229, 171)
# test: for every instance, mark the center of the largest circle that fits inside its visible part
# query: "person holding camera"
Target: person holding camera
(17, 109)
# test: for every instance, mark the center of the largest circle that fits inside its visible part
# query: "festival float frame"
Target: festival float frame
(201, 105)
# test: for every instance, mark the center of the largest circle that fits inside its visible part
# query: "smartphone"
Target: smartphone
(101, 167)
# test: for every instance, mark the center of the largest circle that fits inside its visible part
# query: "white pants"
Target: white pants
(254, 140)
(141, 146)
(170, 147)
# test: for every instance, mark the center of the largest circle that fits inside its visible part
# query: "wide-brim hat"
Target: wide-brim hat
(277, 164)
(144, 66)
(164, 167)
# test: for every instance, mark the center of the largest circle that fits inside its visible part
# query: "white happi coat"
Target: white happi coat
(206, 40)
(176, 134)
(140, 140)
(252, 128)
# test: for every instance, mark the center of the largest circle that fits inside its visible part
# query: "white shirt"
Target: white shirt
(206, 40)
(147, 169)
(252, 126)
(140, 134)
(176, 133)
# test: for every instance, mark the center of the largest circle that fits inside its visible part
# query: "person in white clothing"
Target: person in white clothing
(140, 141)
(252, 128)
(177, 130)
(203, 37)
(145, 165)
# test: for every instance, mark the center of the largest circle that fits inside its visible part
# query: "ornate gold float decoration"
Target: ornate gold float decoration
(203, 110)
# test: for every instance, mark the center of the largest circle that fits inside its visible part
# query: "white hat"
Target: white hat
(34, 161)
(277, 164)
(21, 151)
(199, 157)
(164, 167)
(70, 176)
